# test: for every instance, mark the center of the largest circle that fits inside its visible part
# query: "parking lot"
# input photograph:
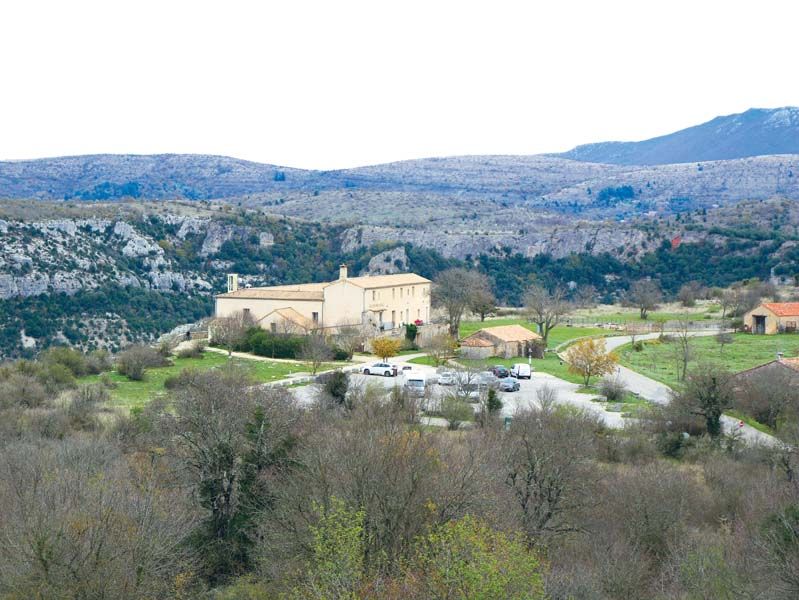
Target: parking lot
(526, 397)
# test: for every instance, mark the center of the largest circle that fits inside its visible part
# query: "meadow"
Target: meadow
(127, 394)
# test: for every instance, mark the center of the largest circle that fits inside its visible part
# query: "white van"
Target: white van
(521, 371)
(415, 383)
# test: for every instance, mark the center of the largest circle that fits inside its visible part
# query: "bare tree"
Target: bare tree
(232, 440)
(724, 338)
(645, 294)
(585, 296)
(682, 345)
(483, 302)
(107, 526)
(690, 292)
(453, 290)
(315, 351)
(229, 331)
(546, 468)
(545, 308)
(350, 338)
(707, 393)
(441, 347)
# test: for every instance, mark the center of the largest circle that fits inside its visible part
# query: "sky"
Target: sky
(339, 83)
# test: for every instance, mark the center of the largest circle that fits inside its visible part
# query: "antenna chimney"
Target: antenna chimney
(232, 282)
(342, 272)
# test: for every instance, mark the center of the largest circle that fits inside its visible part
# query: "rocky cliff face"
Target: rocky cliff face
(67, 255)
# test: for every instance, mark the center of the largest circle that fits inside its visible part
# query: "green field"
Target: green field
(130, 394)
(660, 360)
(558, 335)
(632, 315)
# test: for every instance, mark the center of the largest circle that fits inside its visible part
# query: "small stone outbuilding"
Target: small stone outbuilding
(505, 341)
(772, 317)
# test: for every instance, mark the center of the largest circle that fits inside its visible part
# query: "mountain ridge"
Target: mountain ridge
(755, 132)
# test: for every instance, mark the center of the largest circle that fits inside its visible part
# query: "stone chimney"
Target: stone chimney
(232, 282)
(342, 272)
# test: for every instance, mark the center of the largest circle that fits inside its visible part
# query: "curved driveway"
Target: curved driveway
(660, 393)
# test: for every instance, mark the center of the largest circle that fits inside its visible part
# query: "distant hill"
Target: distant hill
(755, 132)
(199, 177)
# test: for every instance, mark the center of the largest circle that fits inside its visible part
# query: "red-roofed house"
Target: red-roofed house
(772, 317)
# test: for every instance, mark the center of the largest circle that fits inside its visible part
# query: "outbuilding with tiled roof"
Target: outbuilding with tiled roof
(772, 317)
(505, 341)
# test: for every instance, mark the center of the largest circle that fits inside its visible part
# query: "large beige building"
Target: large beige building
(382, 301)
(772, 317)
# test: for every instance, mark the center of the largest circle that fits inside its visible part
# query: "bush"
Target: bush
(69, 358)
(455, 411)
(22, 390)
(613, 389)
(82, 406)
(56, 377)
(638, 346)
(335, 384)
(193, 350)
(339, 354)
(98, 361)
(181, 380)
(135, 360)
(264, 343)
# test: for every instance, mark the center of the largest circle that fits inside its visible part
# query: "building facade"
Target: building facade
(383, 302)
(772, 317)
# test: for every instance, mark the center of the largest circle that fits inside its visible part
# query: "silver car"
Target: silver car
(447, 378)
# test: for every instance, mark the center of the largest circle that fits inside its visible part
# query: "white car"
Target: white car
(521, 371)
(380, 368)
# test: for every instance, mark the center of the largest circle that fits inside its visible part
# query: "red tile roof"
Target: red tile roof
(783, 309)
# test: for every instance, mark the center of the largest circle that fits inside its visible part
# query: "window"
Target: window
(400, 292)
(413, 291)
(315, 317)
(246, 312)
(418, 313)
(374, 295)
(273, 327)
(393, 293)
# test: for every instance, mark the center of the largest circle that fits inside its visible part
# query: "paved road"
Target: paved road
(657, 392)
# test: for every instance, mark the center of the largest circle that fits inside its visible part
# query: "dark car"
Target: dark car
(508, 384)
(500, 372)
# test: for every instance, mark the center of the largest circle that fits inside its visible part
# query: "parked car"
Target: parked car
(470, 391)
(415, 383)
(447, 378)
(500, 372)
(486, 378)
(521, 371)
(508, 384)
(380, 368)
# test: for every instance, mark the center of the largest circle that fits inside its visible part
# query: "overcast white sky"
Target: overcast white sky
(341, 83)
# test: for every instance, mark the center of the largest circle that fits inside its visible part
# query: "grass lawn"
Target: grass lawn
(549, 364)
(660, 360)
(558, 335)
(130, 394)
(423, 360)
